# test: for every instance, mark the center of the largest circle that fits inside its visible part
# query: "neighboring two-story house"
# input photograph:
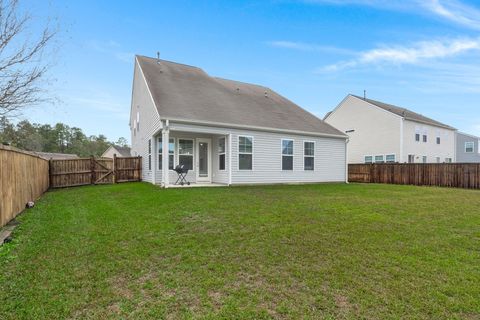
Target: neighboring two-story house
(225, 131)
(468, 148)
(380, 132)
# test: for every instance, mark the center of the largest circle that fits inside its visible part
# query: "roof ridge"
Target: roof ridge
(170, 61)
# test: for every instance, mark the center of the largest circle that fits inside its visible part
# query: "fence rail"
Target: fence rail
(457, 175)
(23, 178)
(83, 171)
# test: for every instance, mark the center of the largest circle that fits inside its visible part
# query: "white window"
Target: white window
(245, 153)
(368, 159)
(424, 159)
(438, 159)
(138, 120)
(221, 153)
(448, 160)
(149, 154)
(308, 155)
(424, 137)
(171, 153)
(411, 158)
(390, 158)
(185, 153)
(379, 159)
(417, 137)
(287, 154)
(438, 140)
(469, 146)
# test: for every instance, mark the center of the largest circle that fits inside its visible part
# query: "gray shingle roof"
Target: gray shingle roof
(405, 113)
(123, 151)
(188, 93)
(55, 155)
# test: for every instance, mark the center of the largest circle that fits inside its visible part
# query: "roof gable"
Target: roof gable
(183, 92)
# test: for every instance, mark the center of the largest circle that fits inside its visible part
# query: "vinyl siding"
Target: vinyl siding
(376, 131)
(463, 156)
(329, 156)
(149, 122)
(430, 149)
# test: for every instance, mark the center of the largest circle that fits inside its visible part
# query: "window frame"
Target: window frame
(286, 155)
(149, 154)
(184, 154)
(160, 155)
(223, 153)
(365, 159)
(417, 137)
(309, 156)
(424, 159)
(424, 138)
(438, 140)
(473, 146)
(394, 158)
(247, 153)
(379, 155)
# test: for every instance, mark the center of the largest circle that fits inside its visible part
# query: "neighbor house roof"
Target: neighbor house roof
(182, 92)
(55, 155)
(468, 135)
(405, 113)
(121, 151)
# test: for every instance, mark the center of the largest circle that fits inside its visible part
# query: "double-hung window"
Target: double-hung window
(245, 153)
(149, 154)
(368, 159)
(287, 154)
(379, 159)
(390, 158)
(308, 155)
(185, 153)
(171, 153)
(221, 153)
(417, 137)
(469, 146)
(424, 137)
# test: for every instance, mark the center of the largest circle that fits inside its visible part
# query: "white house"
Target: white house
(225, 131)
(380, 132)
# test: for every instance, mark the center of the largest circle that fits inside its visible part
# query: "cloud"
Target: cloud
(111, 47)
(301, 46)
(451, 10)
(418, 52)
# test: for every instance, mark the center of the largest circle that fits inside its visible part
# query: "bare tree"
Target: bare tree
(23, 65)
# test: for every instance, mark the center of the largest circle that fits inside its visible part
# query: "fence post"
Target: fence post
(92, 170)
(50, 173)
(114, 169)
(139, 164)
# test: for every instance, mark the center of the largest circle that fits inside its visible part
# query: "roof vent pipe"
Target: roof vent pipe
(266, 94)
(364, 94)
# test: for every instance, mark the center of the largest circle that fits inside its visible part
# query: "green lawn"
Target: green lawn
(284, 252)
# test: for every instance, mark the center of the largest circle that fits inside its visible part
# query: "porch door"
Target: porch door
(204, 160)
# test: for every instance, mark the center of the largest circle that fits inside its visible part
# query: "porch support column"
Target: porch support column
(165, 154)
(229, 159)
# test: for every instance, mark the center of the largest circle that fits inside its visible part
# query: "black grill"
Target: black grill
(182, 172)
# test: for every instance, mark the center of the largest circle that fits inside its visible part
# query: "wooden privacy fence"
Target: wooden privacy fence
(83, 171)
(458, 175)
(23, 178)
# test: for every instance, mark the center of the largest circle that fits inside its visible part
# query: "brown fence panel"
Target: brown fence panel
(83, 171)
(458, 175)
(23, 178)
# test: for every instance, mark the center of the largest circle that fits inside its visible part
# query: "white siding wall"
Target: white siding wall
(149, 122)
(377, 132)
(329, 156)
(430, 149)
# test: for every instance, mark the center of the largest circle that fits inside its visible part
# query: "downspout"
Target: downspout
(346, 160)
(229, 159)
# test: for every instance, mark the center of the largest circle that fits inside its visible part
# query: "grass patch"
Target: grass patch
(282, 252)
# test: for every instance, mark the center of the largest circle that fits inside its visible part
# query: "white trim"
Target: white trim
(473, 147)
(287, 155)
(255, 128)
(379, 155)
(401, 140)
(229, 159)
(368, 156)
(238, 152)
(174, 152)
(391, 154)
(207, 179)
(224, 153)
(314, 150)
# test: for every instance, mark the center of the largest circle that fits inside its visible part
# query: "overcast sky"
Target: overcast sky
(419, 54)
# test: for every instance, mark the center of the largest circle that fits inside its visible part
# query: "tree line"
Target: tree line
(57, 138)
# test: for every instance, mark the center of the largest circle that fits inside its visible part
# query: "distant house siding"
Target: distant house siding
(429, 149)
(149, 122)
(376, 131)
(463, 156)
